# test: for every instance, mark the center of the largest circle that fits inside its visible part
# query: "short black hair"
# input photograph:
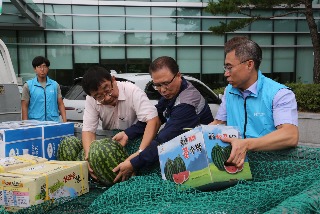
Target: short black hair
(164, 62)
(94, 77)
(39, 60)
(245, 49)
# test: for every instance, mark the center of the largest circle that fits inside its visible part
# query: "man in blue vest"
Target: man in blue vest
(264, 110)
(41, 96)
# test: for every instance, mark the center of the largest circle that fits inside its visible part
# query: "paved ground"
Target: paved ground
(309, 129)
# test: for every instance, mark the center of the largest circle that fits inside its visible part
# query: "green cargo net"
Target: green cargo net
(284, 181)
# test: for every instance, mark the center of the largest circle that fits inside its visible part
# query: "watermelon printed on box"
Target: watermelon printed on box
(198, 157)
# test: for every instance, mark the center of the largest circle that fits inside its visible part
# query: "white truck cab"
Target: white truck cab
(10, 99)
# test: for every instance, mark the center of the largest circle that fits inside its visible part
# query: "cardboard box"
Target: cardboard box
(35, 184)
(187, 159)
(16, 162)
(39, 138)
(52, 135)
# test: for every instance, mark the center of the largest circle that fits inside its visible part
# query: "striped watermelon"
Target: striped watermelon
(104, 155)
(80, 156)
(174, 166)
(69, 148)
(218, 157)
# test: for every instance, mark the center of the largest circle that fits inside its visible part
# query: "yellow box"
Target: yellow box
(16, 162)
(35, 184)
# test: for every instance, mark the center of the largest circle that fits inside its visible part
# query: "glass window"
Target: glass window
(86, 54)
(284, 24)
(113, 52)
(59, 37)
(59, 22)
(164, 38)
(163, 51)
(211, 22)
(112, 38)
(60, 57)
(165, 24)
(109, 10)
(138, 38)
(304, 39)
(58, 9)
(188, 38)
(283, 60)
(283, 56)
(212, 39)
(138, 52)
(112, 23)
(163, 11)
(305, 67)
(188, 59)
(77, 9)
(212, 60)
(262, 25)
(85, 22)
(187, 23)
(133, 23)
(138, 11)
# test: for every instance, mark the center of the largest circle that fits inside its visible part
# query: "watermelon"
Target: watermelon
(104, 155)
(80, 156)
(174, 167)
(69, 148)
(218, 157)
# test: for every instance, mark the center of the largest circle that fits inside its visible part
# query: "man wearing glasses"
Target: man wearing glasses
(41, 97)
(265, 111)
(119, 105)
(181, 106)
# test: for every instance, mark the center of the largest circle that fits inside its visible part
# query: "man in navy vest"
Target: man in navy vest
(264, 111)
(41, 96)
(181, 106)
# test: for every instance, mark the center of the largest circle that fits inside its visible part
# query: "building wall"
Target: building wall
(127, 35)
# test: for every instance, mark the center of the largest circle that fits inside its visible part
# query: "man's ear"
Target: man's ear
(250, 64)
(113, 78)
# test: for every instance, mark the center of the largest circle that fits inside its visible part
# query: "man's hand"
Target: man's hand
(125, 171)
(89, 168)
(121, 138)
(238, 152)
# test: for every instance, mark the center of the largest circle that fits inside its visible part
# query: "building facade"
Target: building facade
(127, 35)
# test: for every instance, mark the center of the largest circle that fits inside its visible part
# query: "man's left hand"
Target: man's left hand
(238, 152)
(121, 138)
(125, 171)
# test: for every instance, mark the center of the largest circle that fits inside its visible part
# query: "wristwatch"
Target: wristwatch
(140, 150)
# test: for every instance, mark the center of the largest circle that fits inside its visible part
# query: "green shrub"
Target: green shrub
(307, 96)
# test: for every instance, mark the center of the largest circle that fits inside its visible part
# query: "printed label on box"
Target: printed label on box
(198, 158)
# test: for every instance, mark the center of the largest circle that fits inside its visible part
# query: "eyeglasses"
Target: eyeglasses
(107, 91)
(42, 67)
(229, 67)
(157, 86)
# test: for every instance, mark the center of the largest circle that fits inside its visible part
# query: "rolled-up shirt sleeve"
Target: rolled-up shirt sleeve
(90, 116)
(222, 111)
(285, 108)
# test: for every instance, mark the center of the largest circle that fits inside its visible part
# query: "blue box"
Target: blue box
(19, 141)
(188, 158)
(52, 135)
(38, 139)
